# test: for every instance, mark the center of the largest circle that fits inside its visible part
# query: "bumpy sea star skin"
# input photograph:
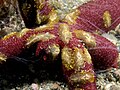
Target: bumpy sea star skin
(76, 60)
(105, 52)
(98, 15)
(68, 38)
(56, 38)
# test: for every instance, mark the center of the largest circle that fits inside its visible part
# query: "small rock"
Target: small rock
(117, 72)
(113, 32)
(55, 86)
(18, 88)
(34, 86)
(110, 37)
(112, 86)
(13, 89)
(117, 29)
(110, 76)
(118, 45)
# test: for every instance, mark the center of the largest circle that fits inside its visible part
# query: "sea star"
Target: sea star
(74, 39)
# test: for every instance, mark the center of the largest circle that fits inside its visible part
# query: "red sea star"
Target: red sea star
(68, 38)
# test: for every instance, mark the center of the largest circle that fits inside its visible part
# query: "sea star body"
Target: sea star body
(73, 38)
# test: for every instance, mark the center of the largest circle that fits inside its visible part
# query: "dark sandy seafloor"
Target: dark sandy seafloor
(18, 75)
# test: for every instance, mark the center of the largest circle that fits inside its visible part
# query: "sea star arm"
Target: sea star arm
(78, 69)
(96, 16)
